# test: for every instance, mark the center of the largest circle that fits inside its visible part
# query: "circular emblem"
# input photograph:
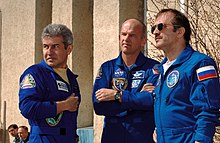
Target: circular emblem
(119, 84)
(172, 78)
(54, 121)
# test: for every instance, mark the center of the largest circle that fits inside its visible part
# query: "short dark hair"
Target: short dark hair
(14, 126)
(24, 127)
(181, 20)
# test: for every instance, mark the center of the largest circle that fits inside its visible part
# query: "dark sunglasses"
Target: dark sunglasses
(160, 27)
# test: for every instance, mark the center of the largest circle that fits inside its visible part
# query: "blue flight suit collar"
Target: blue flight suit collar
(44, 64)
(184, 56)
(141, 59)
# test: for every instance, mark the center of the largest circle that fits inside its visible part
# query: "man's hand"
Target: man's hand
(155, 136)
(70, 104)
(105, 94)
(148, 87)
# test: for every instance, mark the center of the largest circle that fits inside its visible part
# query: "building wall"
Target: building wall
(17, 52)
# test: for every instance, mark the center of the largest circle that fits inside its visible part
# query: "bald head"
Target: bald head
(135, 23)
(132, 39)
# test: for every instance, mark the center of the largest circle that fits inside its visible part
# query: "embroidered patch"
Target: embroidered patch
(119, 72)
(54, 121)
(28, 82)
(206, 73)
(119, 84)
(138, 75)
(172, 78)
(135, 83)
(62, 86)
(99, 74)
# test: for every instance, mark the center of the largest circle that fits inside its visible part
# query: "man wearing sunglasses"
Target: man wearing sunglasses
(117, 92)
(187, 98)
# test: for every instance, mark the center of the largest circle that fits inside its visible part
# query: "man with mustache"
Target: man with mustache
(187, 98)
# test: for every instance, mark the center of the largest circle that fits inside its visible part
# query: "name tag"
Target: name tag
(62, 86)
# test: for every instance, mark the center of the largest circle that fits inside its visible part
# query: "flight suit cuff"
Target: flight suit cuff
(125, 97)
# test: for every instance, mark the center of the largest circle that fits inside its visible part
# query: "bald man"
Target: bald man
(117, 92)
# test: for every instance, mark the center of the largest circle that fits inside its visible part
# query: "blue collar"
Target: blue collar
(184, 56)
(141, 59)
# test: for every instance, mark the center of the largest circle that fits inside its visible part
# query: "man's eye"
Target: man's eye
(56, 46)
(45, 46)
(132, 35)
(123, 34)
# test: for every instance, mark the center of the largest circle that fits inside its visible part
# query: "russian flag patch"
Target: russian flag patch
(206, 73)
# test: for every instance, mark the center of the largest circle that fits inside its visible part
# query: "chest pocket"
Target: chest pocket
(55, 89)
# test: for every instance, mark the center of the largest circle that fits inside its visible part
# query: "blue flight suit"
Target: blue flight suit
(187, 99)
(40, 88)
(132, 120)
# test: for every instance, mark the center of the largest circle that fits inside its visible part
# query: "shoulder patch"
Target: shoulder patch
(99, 74)
(206, 72)
(28, 82)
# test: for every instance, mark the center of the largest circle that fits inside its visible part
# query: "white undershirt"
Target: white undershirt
(167, 65)
(129, 67)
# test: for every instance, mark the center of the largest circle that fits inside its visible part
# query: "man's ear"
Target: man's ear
(69, 49)
(181, 31)
(144, 40)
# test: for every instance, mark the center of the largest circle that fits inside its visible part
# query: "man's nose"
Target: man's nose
(156, 31)
(126, 37)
